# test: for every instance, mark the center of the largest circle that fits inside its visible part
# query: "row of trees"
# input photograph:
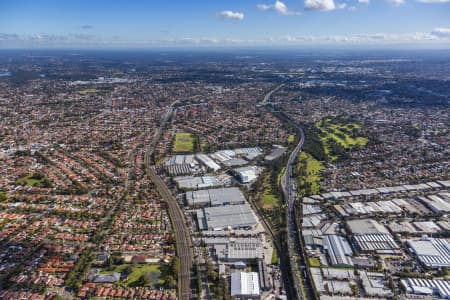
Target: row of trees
(219, 285)
(170, 272)
(82, 266)
(313, 143)
(304, 188)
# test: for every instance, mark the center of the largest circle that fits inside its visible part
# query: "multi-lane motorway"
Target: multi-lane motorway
(266, 99)
(181, 230)
(302, 285)
(298, 265)
(290, 194)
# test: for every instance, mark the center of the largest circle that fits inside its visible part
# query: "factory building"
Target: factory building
(228, 159)
(181, 165)
(433, 253)
(245, 285)
(380, 243)
(366, 226)
(239, 216)
(373, 237)
(215, 197)
(247, 174)
(426, 287)
(249, 153)
(338, 250)
(439, 203)
(235, 249)
(375, 285)
(207, 162)
(199, 182)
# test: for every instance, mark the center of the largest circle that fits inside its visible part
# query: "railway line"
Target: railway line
(181, 230)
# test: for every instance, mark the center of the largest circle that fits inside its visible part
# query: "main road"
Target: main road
(302, 284)
(182, 233)
(289, 191)
(266, 99)
(298, 264)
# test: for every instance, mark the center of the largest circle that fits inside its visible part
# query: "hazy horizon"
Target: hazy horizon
(256, 23)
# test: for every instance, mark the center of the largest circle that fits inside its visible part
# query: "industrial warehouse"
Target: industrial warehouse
(247, 174)
(215, 197)
(239, 216)
(433, 253)
(245, 285)
(197, 182)
(186, 164)
(372, 237)
(229, 231)
(426, 287)
(338, 250)
(237, 249)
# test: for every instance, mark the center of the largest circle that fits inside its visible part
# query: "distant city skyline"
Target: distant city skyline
(148, 24)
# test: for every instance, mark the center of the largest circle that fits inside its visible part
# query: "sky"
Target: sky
(199, 23)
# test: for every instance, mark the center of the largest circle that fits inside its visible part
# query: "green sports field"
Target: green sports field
(183, 143)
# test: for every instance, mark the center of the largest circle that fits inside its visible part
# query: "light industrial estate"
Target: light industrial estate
(238, 174)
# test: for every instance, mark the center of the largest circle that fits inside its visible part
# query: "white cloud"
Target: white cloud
(43, 39)
(396, 2)
(8, 37)
(357, 39)
(441, 32)
(438, 36)
(358, 5)
(233, 15)
(279, 7)
(323, 5)
(264, 6)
